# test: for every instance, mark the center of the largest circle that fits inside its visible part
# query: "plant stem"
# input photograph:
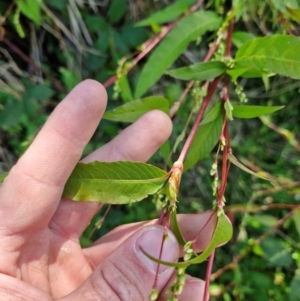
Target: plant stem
(6, 13)
(229, 37)
(152, 42)
(225, 167)
(192, 134)
(28, 60)
(177, 104)
(208, 274)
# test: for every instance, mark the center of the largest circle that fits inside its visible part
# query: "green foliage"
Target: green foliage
(114, 183)
(31, 9)
(241, 37)
(275, 54)
(173, 45)
(240, 111)
(200, 71)
(235, 161)
(295, 288)
(176, 229)
(168, 14)
(88, 41)
(207, 136)
(131, 111)
(116, 11)
(125, 88)
(221, 234)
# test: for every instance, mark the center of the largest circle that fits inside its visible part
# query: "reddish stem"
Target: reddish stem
(224, 164)
(28, 60)
(110, 81)
(211, 51)
(177, 104)
(208, 274)
(192, 134)
(152, 42)
(229, 38)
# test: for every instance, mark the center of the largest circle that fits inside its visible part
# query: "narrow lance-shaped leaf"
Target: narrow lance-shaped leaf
(235, 161)
(241, 111)
(173, 45)
(175, 229)
(200, 71)
(277, 54)
(31, 9)
(222, 234)
(114, 183)
(213, 114)
(168, 14)
(206, 138)
(131, 111)
(125, 88)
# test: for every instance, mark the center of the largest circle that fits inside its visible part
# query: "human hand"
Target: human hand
(40, 255)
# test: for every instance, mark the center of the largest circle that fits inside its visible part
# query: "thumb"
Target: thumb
(127, 274)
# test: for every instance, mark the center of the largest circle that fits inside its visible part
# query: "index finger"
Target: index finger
(31, 192)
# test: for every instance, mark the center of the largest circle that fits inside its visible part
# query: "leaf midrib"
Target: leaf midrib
(263, 57)
(116, 181)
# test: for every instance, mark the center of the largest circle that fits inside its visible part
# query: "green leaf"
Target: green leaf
(294, 13)
(175, 229)
(295, 287)
(69, 78)
(120, 182)
(12, 113)
(213, 114)
(165, 151)
(204, 141)
(125, 88)
(40, 92)
(241, 111)
(276, 253)
(168, 14)
(241, 37)
(117, 10)
(228, 108)
(31, 9)
(200, 71)
(235, 73)
(173, 45)
(296, 219)
(222, 234)
(276, 54)
(131, 111)
(235, 161)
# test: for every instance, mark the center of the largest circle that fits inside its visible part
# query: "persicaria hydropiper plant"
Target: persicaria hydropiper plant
(231, 56)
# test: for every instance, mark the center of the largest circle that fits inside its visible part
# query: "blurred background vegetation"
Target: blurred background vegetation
(47, 47)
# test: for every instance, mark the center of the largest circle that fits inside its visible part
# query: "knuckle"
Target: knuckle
(117, 282)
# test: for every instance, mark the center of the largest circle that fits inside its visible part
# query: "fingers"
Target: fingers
(193, 290)
(191, 225)
(17, 290)
(32, 191)
(138, 142)
(127, 274)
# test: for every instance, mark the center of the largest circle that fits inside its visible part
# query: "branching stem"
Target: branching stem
(192, 134)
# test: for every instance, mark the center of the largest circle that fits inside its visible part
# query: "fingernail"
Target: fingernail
(151, 241)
